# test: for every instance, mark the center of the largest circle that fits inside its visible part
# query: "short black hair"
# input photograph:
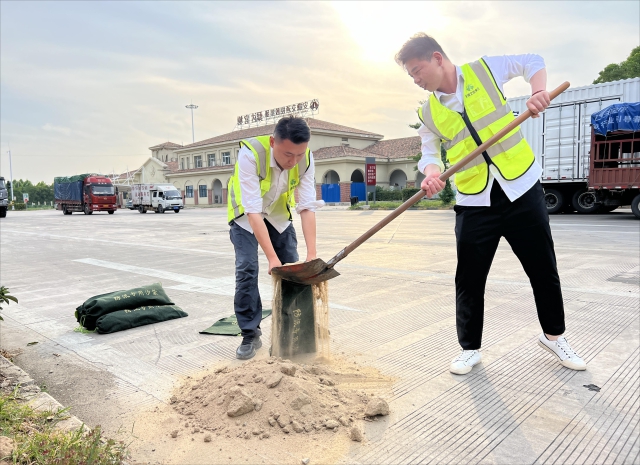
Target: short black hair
(419, 46)
(292, 128)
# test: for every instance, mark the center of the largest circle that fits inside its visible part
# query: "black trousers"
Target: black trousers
(524, 223)
(247, 303)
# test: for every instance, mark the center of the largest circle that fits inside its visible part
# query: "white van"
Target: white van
(156, 197)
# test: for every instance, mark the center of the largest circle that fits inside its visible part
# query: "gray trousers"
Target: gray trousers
(247, 303)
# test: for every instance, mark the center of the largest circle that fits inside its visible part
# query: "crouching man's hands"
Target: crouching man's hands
(274, 263)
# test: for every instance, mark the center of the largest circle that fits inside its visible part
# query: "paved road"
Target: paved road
(393, 307)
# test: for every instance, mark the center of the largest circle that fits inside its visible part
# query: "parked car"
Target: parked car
(129, 204)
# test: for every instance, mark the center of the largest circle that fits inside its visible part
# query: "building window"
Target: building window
(202, 191)
(188, 192)
(182, 163)
(226, 158)
(345, 139)
(197, 161)
(212, 159)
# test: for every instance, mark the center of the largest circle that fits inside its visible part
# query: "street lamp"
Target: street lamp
(192, 107)
(11, 176)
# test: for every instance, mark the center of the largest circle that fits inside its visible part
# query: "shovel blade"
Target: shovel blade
(313, 272)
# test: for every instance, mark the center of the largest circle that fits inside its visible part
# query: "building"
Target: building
(202, 170)
(154, 170)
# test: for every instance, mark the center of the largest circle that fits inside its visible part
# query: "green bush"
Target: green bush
(447, 194)
(409, 192)
(386, 195)
(421, 205)
(20, 206)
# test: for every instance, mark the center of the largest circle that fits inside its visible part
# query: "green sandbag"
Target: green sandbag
(127, 319)
(88, 313)
(296, 321)
(229, 326)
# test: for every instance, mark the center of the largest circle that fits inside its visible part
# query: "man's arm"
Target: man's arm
(539, 100)
(252, 203)
(430, 164)
(532, 68)
(262, 235)
(306, 208)
(308, 219)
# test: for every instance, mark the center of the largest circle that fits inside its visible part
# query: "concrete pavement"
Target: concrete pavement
(393, 308)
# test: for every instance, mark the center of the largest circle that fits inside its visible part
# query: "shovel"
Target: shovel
(317, 271)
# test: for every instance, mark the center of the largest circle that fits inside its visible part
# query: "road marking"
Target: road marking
(224, 285)
(597, 225)
(130, 244)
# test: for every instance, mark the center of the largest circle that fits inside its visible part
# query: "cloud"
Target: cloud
(89, 86)
(59, 129)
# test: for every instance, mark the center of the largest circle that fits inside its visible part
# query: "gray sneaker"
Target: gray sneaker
(248, 348)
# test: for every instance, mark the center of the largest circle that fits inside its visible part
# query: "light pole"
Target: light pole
(11, 176)
(192, 107)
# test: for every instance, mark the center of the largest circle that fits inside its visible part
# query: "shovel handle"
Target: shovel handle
(444, 176)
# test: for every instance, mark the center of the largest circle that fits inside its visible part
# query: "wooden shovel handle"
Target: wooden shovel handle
(444, 176)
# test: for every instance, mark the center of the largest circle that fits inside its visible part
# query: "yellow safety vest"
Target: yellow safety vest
(485, 112)
(262, 151)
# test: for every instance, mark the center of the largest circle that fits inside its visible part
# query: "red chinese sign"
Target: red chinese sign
(371, 174)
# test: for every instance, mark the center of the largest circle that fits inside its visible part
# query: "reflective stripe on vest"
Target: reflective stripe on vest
(260, 147)
(488, 112)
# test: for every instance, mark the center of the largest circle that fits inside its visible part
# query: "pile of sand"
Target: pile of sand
(263, 399)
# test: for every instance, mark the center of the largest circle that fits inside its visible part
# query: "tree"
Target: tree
(418, 124)
(41, 192)
(629, 68)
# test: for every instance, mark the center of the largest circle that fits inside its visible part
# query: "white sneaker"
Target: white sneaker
(563, 351)
(463, 363)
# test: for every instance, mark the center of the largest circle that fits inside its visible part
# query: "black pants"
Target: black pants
(247, 303)
(524, 223)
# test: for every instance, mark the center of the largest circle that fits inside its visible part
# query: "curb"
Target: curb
(40, 401)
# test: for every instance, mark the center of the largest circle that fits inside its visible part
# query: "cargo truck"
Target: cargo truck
(156, 197)
(4, 198)
(86, 193)
(562, 142)
(614, 171)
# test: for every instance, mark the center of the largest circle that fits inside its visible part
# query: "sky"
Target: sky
(89, 86)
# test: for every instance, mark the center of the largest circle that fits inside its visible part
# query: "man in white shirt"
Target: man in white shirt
(261, 196)
(499, 194)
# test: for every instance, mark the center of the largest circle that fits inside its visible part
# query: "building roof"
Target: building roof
(340, 151)
(396, 148)
(392, 149)
(262, 130)
(166, 145)
(172, 165)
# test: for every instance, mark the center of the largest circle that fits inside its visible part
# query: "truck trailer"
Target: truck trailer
(562, 139)
(86, 193)
(614, 172)
(156, 197)
(4, 198)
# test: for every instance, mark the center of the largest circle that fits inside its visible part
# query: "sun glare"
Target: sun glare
(380, 28)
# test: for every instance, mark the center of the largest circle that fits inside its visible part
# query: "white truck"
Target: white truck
(156, 197)
(561, 141)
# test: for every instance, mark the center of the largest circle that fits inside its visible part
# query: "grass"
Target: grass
(39, 442)
(422, 205)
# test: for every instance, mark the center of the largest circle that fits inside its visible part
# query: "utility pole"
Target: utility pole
(192, 107)
(11, 176)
